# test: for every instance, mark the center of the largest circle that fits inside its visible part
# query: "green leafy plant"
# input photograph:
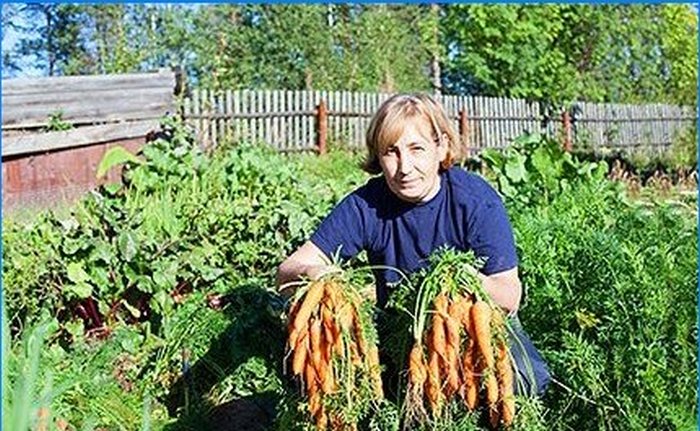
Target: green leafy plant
(137, 264)
(535, 168)
(56, 123)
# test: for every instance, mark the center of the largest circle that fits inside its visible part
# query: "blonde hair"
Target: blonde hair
(390, 119)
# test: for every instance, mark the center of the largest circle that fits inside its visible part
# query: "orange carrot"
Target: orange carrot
(432, 384)
(328, 332)
(417, 372)
(311, 386)
(471, 375)
(505, 384)
(504, 371)
(480, 314)
(326, 376)
(300, 353)
(452, 352)
(465, 305)
(311, 299)
(437, 336)
(315, 340)
(357, 326)
(332, 294)
(291, 315)
(452, 322)
(327, 318)
(491, 389)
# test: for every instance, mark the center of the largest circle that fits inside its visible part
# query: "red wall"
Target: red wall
(46, 179)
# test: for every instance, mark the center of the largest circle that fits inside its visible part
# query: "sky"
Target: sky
(10, 38)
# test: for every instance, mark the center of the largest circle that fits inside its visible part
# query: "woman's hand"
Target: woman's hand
(308, 261)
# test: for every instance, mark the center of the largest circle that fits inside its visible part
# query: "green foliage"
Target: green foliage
(557, 53)
(349, 47)
(535, 168)
(562, 53)
(679, 44)
(59, 48)
(56, 122)
(113, 157)
(606, 279)
(24, 391)
(684, 150)
(607, 303)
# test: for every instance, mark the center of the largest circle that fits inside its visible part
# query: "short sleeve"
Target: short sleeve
(490, 235)
(343, 230)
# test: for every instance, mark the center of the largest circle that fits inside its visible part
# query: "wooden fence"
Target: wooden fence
(629, 128)
(291, 120)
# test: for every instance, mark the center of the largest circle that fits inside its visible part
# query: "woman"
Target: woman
(420, 203)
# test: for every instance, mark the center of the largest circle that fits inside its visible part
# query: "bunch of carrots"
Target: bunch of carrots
(464, 353)
(333, 350)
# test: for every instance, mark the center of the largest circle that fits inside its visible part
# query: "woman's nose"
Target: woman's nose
(405, 163)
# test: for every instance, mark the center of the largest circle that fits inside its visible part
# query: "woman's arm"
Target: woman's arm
(504, 288)
(307, 261)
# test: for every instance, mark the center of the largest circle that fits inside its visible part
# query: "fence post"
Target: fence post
(566, 122)
(464, 131)
(322, 125)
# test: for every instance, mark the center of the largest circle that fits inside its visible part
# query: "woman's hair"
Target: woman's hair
(390, 119)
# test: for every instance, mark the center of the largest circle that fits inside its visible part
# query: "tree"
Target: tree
(349, 47)
(10, 62)
(55, 45)
(118, 47)
(679, 45)
(599, 53)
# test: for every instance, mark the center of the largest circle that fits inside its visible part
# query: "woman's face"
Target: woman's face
(411, 164)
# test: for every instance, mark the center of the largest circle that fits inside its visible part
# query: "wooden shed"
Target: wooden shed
(43, 165)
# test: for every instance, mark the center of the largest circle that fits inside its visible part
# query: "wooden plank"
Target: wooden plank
(221, 109)
(237, 124)
(266, 107)
(278, 103)
(294, 121)
(207, 127)
(346, 120)
(89, 109)
(365, 120)
(197, 124)
(288, 121)
(214, 123)
(187, 107)
(335, 107)
(503, 124)
(72, 99)
(250, 108)
(87, 83)
(306, 105)
(486, 114)
(354, 107)
(260, 107)
(88, 135)
(229, 111)
(508, 124)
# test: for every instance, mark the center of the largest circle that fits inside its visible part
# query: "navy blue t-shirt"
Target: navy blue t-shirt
(466, 214)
